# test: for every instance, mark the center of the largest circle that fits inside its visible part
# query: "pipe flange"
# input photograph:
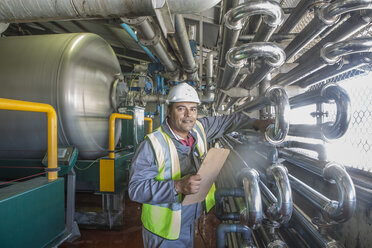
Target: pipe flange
(328, 60)
(323, 15)
(152, 42)
(134, 21)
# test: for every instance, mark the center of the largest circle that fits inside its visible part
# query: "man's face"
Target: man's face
(182, 116)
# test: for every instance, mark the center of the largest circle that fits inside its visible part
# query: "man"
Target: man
(165, 165)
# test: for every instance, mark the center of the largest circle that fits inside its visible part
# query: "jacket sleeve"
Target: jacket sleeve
(142, 186)
(217, 126)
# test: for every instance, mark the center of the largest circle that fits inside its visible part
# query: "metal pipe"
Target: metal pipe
(16, 105)
(234, 19)
(344, 208)
(113, 117)
(219, 194)
(209, 67)
(353, 25)
(329, 54)
(150, 123)
(236, 58)
(318, 148)
(310, 164)
(150, 37)
(222, 229)
(274, 37)
(283, 208)
(297, 13)
(51, 10)
(328, 92)
(252, 216)
(182, 38)
(275, 134)
(134, 37)
(327, 15)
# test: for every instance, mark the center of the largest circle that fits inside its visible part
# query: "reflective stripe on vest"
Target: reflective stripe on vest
(165, 219)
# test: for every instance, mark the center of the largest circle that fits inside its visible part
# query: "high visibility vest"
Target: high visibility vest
(165, 219)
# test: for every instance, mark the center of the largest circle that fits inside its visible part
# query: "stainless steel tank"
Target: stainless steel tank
(72, 72)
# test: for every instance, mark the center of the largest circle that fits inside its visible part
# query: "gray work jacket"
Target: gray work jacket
(142, 186)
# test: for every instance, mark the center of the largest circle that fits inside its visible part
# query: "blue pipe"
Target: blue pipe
(222, 229)
(162, 90)
(134, 36)
(219, 195)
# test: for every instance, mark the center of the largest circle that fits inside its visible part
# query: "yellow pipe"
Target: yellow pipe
(150, 123)
(113, 117)
(16, 105)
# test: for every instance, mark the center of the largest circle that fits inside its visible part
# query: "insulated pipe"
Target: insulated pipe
(283, 208)
(298, 12)
(234, 18)
(51, 10)
(329, 54)
(182, 38)
(328, 92)
(275, 134)
(222, 229)
(8, 104)
(113, 117)
(151, 37)
(327, 15)
(346, 30)
(252, 216)
(221, 193)
(339, 211)
(318, 148)
(209, 67)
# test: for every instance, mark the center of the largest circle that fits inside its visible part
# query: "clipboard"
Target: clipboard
(209, 170)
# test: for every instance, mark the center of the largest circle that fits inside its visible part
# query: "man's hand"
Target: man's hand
(189, 184)
(262, 125)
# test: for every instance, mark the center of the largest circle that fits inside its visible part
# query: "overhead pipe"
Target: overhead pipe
(234, 18)
(329, 130)
(150, 36)
(209, 67)
(318, 148)
(275, 134)
(339, 211)
(16, 11)
(282, 210)
(274, 37)
(219, 195)
(222, 229)
(346, 30)
(327, 15)
(298, 12)
(182, 38)
(353, 61)
(329, 54)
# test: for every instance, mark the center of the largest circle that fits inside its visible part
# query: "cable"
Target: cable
(86, 168)
(15, 180)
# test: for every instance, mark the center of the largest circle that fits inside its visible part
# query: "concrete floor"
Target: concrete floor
(131, 234)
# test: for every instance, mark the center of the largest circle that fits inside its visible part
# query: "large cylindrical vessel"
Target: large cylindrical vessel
(72, 72)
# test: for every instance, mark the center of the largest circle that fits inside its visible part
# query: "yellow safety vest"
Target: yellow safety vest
(165, 219)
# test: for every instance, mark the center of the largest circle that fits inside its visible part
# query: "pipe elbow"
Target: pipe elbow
(277, 133)
(343, 209)
(284, 205)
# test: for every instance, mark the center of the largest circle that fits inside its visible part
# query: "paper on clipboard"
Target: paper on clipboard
(208, 171)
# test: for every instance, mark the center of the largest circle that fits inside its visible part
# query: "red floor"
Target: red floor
(131, 234)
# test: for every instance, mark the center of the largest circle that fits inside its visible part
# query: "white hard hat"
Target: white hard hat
(183, 92)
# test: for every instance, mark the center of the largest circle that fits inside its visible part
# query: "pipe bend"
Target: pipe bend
(337, 8)
(284, 205)
(272, 53)
(343, 115)
(252, 195)
(277, 133)
(332, 52)
(343, 209)
(273, 13)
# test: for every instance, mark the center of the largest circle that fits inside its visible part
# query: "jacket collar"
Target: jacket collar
(167, 130)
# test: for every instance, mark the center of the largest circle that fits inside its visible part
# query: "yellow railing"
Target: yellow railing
(16, 105)
(113, 117)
